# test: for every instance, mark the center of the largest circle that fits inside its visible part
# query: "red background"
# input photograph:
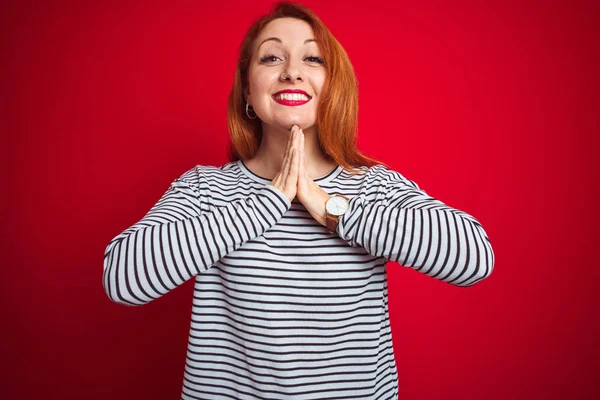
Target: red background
(490, 107)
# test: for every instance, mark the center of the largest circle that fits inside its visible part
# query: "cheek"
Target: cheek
(260, 83)
(320, 83)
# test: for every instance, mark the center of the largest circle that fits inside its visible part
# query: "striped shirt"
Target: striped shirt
(282, 307)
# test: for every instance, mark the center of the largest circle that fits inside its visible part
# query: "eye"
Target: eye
(267, 58)
(316, 59)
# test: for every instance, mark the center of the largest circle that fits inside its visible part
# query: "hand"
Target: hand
(310, 193)
(287, 178)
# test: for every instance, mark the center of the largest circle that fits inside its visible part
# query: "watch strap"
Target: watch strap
(332, 222)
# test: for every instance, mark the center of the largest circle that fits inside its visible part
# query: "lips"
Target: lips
(290, 102)
(298, 91)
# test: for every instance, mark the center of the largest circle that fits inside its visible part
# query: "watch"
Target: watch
(335, 207)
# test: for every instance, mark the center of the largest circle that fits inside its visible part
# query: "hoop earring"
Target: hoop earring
(247, 105)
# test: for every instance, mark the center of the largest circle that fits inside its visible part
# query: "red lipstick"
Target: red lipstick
(287, 102)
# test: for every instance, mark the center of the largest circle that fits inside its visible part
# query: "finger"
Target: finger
(288, 146)
(290, 139)
(297, 136)
(302, 159)
(301, 166)
(293, 146)
(299, 153)
(299, 145)
(293, 175)
(285, 170)
(287, 158)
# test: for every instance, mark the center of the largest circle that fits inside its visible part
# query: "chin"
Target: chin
(303, 123)
(286, 122)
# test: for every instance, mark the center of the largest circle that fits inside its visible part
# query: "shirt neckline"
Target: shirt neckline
(322, 179)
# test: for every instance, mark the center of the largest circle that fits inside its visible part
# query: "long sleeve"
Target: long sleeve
(392, 217)
(177, 239)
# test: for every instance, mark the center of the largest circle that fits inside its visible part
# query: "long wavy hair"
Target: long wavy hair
(337, 112)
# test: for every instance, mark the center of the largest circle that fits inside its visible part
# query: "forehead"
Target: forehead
(291, 31)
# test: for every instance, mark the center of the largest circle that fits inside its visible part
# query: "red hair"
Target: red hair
(337, 112)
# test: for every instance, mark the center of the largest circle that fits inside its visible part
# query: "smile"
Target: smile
(287, 99)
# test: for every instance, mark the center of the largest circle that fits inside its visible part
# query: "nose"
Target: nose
(291, 71)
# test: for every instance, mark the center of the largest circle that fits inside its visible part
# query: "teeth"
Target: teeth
(290, 96)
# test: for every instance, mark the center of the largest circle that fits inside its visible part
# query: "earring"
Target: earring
(247, 105)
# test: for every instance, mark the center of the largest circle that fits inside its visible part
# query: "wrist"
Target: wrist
(323, 211)
(335, 208)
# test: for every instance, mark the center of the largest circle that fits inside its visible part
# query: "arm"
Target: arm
(176, 240)
(400, 222)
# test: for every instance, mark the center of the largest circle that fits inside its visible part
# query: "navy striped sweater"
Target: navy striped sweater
(282, 308)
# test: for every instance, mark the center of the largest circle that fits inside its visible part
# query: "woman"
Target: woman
(289, 241)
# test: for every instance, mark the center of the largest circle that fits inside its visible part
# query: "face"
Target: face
(299, 60)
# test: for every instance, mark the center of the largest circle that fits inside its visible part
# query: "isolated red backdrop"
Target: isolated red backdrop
(490, 107)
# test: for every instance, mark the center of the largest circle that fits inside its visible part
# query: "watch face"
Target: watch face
(336, 205)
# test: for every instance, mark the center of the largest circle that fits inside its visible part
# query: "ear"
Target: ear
(247, 95)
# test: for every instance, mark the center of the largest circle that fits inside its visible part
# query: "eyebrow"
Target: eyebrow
(279, 40)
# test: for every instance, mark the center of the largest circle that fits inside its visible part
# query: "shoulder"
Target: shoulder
(205, 174)
(380, 174)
